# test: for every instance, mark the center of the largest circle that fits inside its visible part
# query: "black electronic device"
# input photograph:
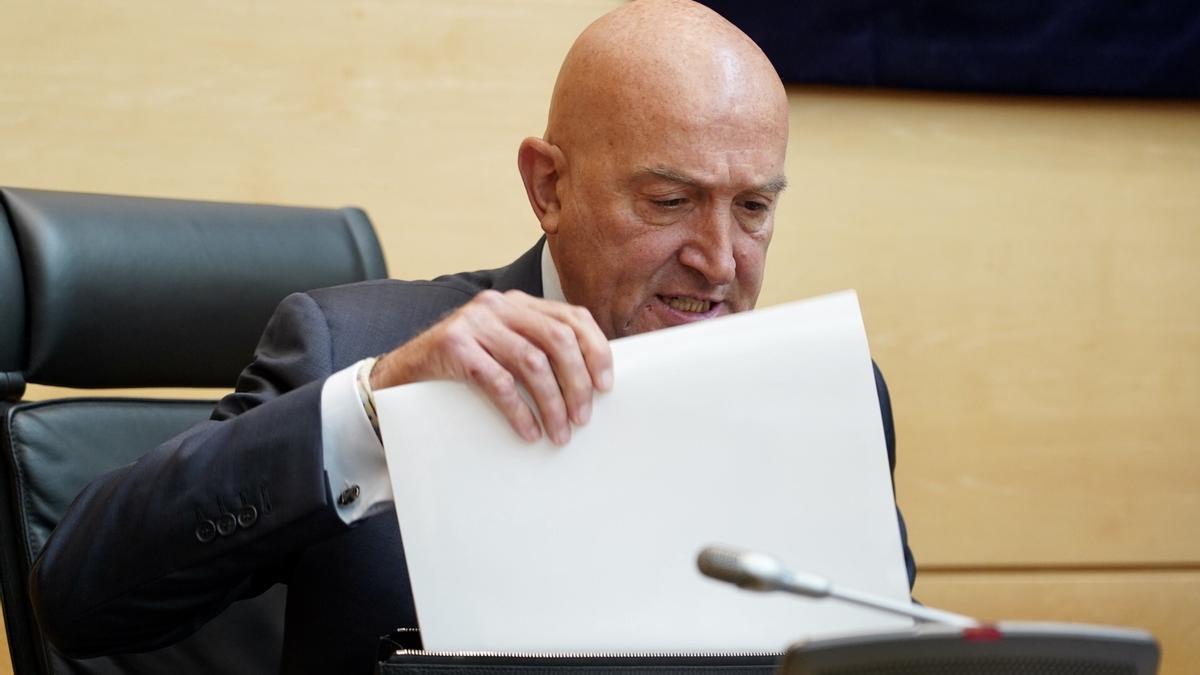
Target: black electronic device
(940, 643)
(1002, 649)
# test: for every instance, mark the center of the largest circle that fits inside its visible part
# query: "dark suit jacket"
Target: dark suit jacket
(131, 566)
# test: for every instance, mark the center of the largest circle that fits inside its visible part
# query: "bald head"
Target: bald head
(657, 179)
(659, 63)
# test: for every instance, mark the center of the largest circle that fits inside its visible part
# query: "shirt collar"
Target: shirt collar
(551, 288)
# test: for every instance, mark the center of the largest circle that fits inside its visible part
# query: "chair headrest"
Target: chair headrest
(108, 291)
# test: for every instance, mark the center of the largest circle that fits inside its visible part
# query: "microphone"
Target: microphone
(763, 573)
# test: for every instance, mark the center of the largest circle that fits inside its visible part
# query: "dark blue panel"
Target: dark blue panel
(1080, 47)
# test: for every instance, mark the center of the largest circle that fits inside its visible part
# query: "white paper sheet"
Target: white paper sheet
(761, 430)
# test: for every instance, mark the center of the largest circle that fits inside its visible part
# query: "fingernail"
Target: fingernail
(606, 380)
(585, 412)
(532, 433)
(561, 437)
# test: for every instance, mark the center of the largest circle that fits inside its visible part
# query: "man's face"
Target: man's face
(665, 222)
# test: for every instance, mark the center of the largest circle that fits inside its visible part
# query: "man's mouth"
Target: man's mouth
(686, 304)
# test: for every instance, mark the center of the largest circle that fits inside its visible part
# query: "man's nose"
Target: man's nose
(709, 249)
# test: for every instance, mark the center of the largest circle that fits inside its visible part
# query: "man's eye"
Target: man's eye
(754, 206)
(670, 203)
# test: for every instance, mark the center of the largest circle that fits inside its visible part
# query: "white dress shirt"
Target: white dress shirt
(353, 453)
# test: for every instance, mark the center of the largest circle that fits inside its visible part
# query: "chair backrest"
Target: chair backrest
(106, 291)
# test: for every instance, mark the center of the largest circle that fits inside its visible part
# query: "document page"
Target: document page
(760, 430)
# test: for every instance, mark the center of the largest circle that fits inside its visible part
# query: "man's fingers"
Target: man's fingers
(557, 344)
(502, 341)
(533, 369)
(463, 356)
(591, 341)
(558, 340)
(575, 382)
(499, 385)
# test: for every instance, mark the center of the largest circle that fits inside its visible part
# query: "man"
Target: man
(655, 185)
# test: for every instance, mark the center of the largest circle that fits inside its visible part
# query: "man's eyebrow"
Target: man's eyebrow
(667, 174)
(773, 186)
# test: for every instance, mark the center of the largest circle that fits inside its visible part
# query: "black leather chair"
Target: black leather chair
(105, 291)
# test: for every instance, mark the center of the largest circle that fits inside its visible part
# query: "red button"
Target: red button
(982, 634)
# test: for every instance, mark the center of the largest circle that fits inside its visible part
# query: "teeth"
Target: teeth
(689, 304)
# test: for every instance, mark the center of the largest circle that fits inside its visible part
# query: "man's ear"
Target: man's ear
(541, 165)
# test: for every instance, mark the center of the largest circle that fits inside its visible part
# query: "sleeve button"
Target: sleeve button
(247, 515)
(206, 531)
(226, 524)
(348, 496)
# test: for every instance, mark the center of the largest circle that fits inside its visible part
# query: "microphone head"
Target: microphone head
(744, 569)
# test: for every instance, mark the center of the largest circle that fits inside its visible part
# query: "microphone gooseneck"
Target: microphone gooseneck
(760, 572)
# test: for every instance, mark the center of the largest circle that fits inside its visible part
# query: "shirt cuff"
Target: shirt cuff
(354, 458)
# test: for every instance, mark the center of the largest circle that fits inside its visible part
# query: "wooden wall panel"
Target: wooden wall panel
(39, 392)
(1029, 276)
(411, 109)
(1167, 603)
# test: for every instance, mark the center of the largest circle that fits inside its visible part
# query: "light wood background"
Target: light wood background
(1028, 268)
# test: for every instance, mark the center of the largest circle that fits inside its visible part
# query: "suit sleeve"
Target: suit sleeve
(889, 435)
(148, 553)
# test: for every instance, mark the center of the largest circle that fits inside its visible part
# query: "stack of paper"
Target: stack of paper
(760, 430)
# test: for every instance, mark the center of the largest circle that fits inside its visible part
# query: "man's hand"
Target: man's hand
(497, 340)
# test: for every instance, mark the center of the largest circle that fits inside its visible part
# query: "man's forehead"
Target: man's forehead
(698, 129)
(742, 178)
